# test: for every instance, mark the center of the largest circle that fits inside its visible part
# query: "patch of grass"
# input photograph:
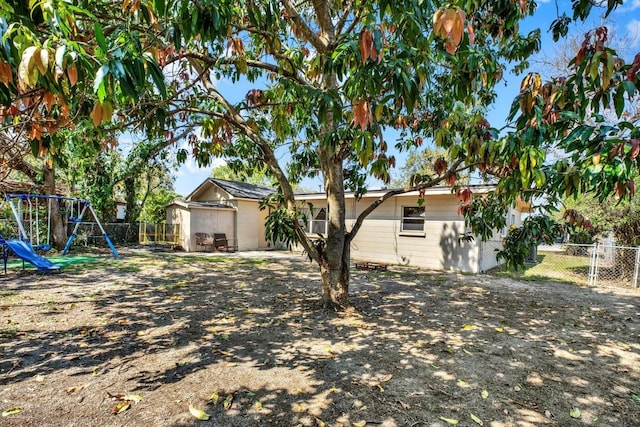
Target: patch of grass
(7, 295)
(8, 333)
(554, 266)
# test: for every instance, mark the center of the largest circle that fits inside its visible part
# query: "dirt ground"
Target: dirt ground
(137, 341)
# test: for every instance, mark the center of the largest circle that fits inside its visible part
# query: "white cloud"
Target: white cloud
(633, 5)
(633, 27)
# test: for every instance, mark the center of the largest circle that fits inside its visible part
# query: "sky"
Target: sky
(625, 22)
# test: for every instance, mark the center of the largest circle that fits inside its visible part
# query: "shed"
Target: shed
(221, 206)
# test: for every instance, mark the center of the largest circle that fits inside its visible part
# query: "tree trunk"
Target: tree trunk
(335, 281)
(58, 228)
(335, 256)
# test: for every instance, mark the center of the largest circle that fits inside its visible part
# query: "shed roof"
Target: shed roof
(238, 190)
(198, 205)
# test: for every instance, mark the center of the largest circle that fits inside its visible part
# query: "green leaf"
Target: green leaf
(449, 420)
(158, 77)
(198, 413)
(60, 51)
(575, 413)
(99, 86)
(476, 419)
(102, 42)
(11, 411)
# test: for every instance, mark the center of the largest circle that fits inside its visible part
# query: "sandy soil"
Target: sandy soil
(135, 342)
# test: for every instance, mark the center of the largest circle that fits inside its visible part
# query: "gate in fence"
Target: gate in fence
(610, 263)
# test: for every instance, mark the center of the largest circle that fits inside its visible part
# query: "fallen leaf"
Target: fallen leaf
(319, 422)
(115, 396)
(39, 378)
(221, 353)
(380, 388)
(404, 405)
(198, 413)
(359, 423)
(215, 398)
(467, 327)
(484, 394)
(258, 405)
(135, 398)
(449, 420)
(575, 413)
(499, 329)
(228, 402)
(386, 378)
(11, 411)
(74, 389)
(120, 407)
(476, 419)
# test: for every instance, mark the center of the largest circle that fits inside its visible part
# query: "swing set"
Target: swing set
(33, 212)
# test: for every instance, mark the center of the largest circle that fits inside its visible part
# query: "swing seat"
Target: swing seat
(73, 219)
(43, 248)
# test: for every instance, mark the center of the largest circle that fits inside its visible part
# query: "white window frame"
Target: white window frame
(316, 226)
(412, 219)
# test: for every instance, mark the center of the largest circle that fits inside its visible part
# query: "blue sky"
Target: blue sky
(625, 22)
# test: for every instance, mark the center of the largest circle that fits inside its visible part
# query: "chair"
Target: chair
(205, 240)
(221, 243)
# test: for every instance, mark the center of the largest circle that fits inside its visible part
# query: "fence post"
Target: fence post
(593, 268)
(635, 268)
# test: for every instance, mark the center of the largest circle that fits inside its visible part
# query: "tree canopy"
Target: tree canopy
(328, 79)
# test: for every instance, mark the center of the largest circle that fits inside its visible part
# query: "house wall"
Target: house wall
(380, 238)
(217, 195)
(249, 227)
(211, 220)
(179, 215)
(262, 218)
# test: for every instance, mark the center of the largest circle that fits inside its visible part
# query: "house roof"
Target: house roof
(438, 190)
(199, 205)
(238, 190)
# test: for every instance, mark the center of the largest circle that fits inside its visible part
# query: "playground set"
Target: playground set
(32, 214)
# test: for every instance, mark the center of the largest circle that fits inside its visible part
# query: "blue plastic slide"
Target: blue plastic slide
(25, 251)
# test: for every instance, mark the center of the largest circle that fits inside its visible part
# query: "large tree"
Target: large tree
(328, 79)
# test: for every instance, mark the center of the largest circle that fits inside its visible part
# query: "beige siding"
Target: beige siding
(262, 218)
(216, 195)
(248, 225)
(380, 238)
(179, 215)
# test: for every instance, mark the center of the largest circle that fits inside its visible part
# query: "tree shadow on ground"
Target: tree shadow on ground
(419, 346)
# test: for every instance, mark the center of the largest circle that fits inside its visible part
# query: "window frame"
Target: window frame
(311, 221)
(413, 219)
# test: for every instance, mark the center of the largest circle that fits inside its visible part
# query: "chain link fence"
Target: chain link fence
(605, 265)
(89, 234)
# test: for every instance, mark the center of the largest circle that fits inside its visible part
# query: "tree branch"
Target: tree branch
(316, 41)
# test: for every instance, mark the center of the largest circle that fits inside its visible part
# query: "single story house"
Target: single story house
(221, 206)
(399, 231)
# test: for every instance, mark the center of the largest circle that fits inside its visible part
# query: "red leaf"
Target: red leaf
(635, 148)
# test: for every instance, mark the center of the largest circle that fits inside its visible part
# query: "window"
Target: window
(316, 223)
(413, 218)
(319, 221)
